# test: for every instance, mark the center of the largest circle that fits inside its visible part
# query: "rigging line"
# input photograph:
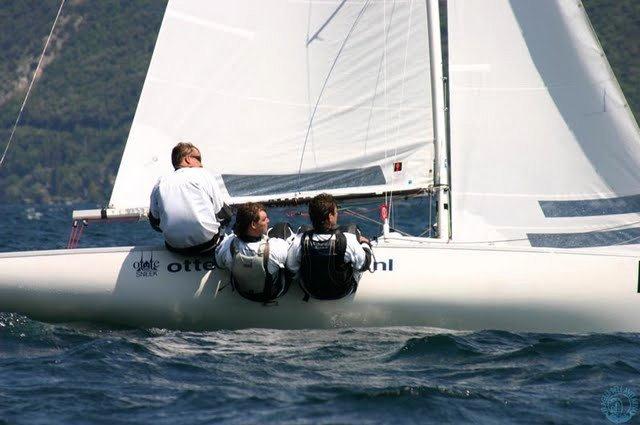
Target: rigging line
(375, 92)
(373, 100)
(313, 148)
(388, 195)
(490, 241)
(317, 33)
(384, 85)
(616, 227)
(364, 217)
(428, 230)
(324, 85)
(33, 79)
(361, 216)
(361, 206)
(354, 203)
(604, 229)
(402, 87)
(627, 242)
(430, 214)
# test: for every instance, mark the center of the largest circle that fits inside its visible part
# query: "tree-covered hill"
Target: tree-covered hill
(617, 23)
(73, 130)
(72, 133)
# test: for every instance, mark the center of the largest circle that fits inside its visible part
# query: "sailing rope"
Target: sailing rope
(624, 226)
(386, 105)
(324, 25)
(76, 232)
(308, 64)
(364, 217)
(430, 216)
(404, 79)
(364, 207)
(386, 31)
(33, 79)
(324, 85)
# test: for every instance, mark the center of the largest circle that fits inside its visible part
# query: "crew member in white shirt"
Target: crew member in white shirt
(256, 261)
(327, 262)
(187, 205)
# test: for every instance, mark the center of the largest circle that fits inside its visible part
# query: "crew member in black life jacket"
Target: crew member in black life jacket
(326, 261)
(255, 260)
(187, 206)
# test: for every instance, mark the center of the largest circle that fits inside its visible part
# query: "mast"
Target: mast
(441, 145)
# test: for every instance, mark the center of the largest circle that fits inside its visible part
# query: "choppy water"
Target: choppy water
(88, 373)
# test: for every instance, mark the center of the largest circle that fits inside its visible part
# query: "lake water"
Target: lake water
(92, 373)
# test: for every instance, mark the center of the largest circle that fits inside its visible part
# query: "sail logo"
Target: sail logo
(146, 268)
(383, 265)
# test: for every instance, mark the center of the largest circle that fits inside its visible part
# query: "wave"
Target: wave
(563, 345)
(584, 372)
(436, 348)
(416, 391)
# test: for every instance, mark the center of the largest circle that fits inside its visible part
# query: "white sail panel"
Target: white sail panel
(544, 148)
(286, 98)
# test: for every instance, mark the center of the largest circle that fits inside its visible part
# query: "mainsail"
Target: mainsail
(287, 99)
(544, 148)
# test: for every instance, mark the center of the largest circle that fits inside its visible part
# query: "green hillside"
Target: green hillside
(617, 23)
(73, 130)
(72, 133)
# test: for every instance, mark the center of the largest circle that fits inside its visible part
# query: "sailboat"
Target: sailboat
(523, 135)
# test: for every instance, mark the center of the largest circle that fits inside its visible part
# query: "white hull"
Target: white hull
(418, 282)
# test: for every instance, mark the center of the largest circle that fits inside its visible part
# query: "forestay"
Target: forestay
(286, 98)
(544, 148)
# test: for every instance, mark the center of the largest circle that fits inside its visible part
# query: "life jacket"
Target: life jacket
(324, 275)
(250, 275)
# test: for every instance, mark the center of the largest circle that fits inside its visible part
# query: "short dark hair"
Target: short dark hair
(180, 151)
(246, 214)
(319, 209)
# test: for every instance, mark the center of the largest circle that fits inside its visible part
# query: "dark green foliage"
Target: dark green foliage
(23, 25)
(73, 131)
(617, 23)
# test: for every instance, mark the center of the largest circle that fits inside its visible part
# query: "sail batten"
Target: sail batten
(284, 93)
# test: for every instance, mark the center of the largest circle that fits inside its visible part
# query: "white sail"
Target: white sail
(544, 148)
(286, 98)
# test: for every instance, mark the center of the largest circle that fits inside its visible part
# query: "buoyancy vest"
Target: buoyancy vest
(250, 274)
(324, 273)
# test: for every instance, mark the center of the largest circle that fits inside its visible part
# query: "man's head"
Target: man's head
(323, 212)
(185, 155)
(251, 220)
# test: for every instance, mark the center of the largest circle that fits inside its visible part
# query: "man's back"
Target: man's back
(186, 202)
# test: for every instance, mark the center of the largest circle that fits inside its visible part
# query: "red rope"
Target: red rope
(76, 231)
